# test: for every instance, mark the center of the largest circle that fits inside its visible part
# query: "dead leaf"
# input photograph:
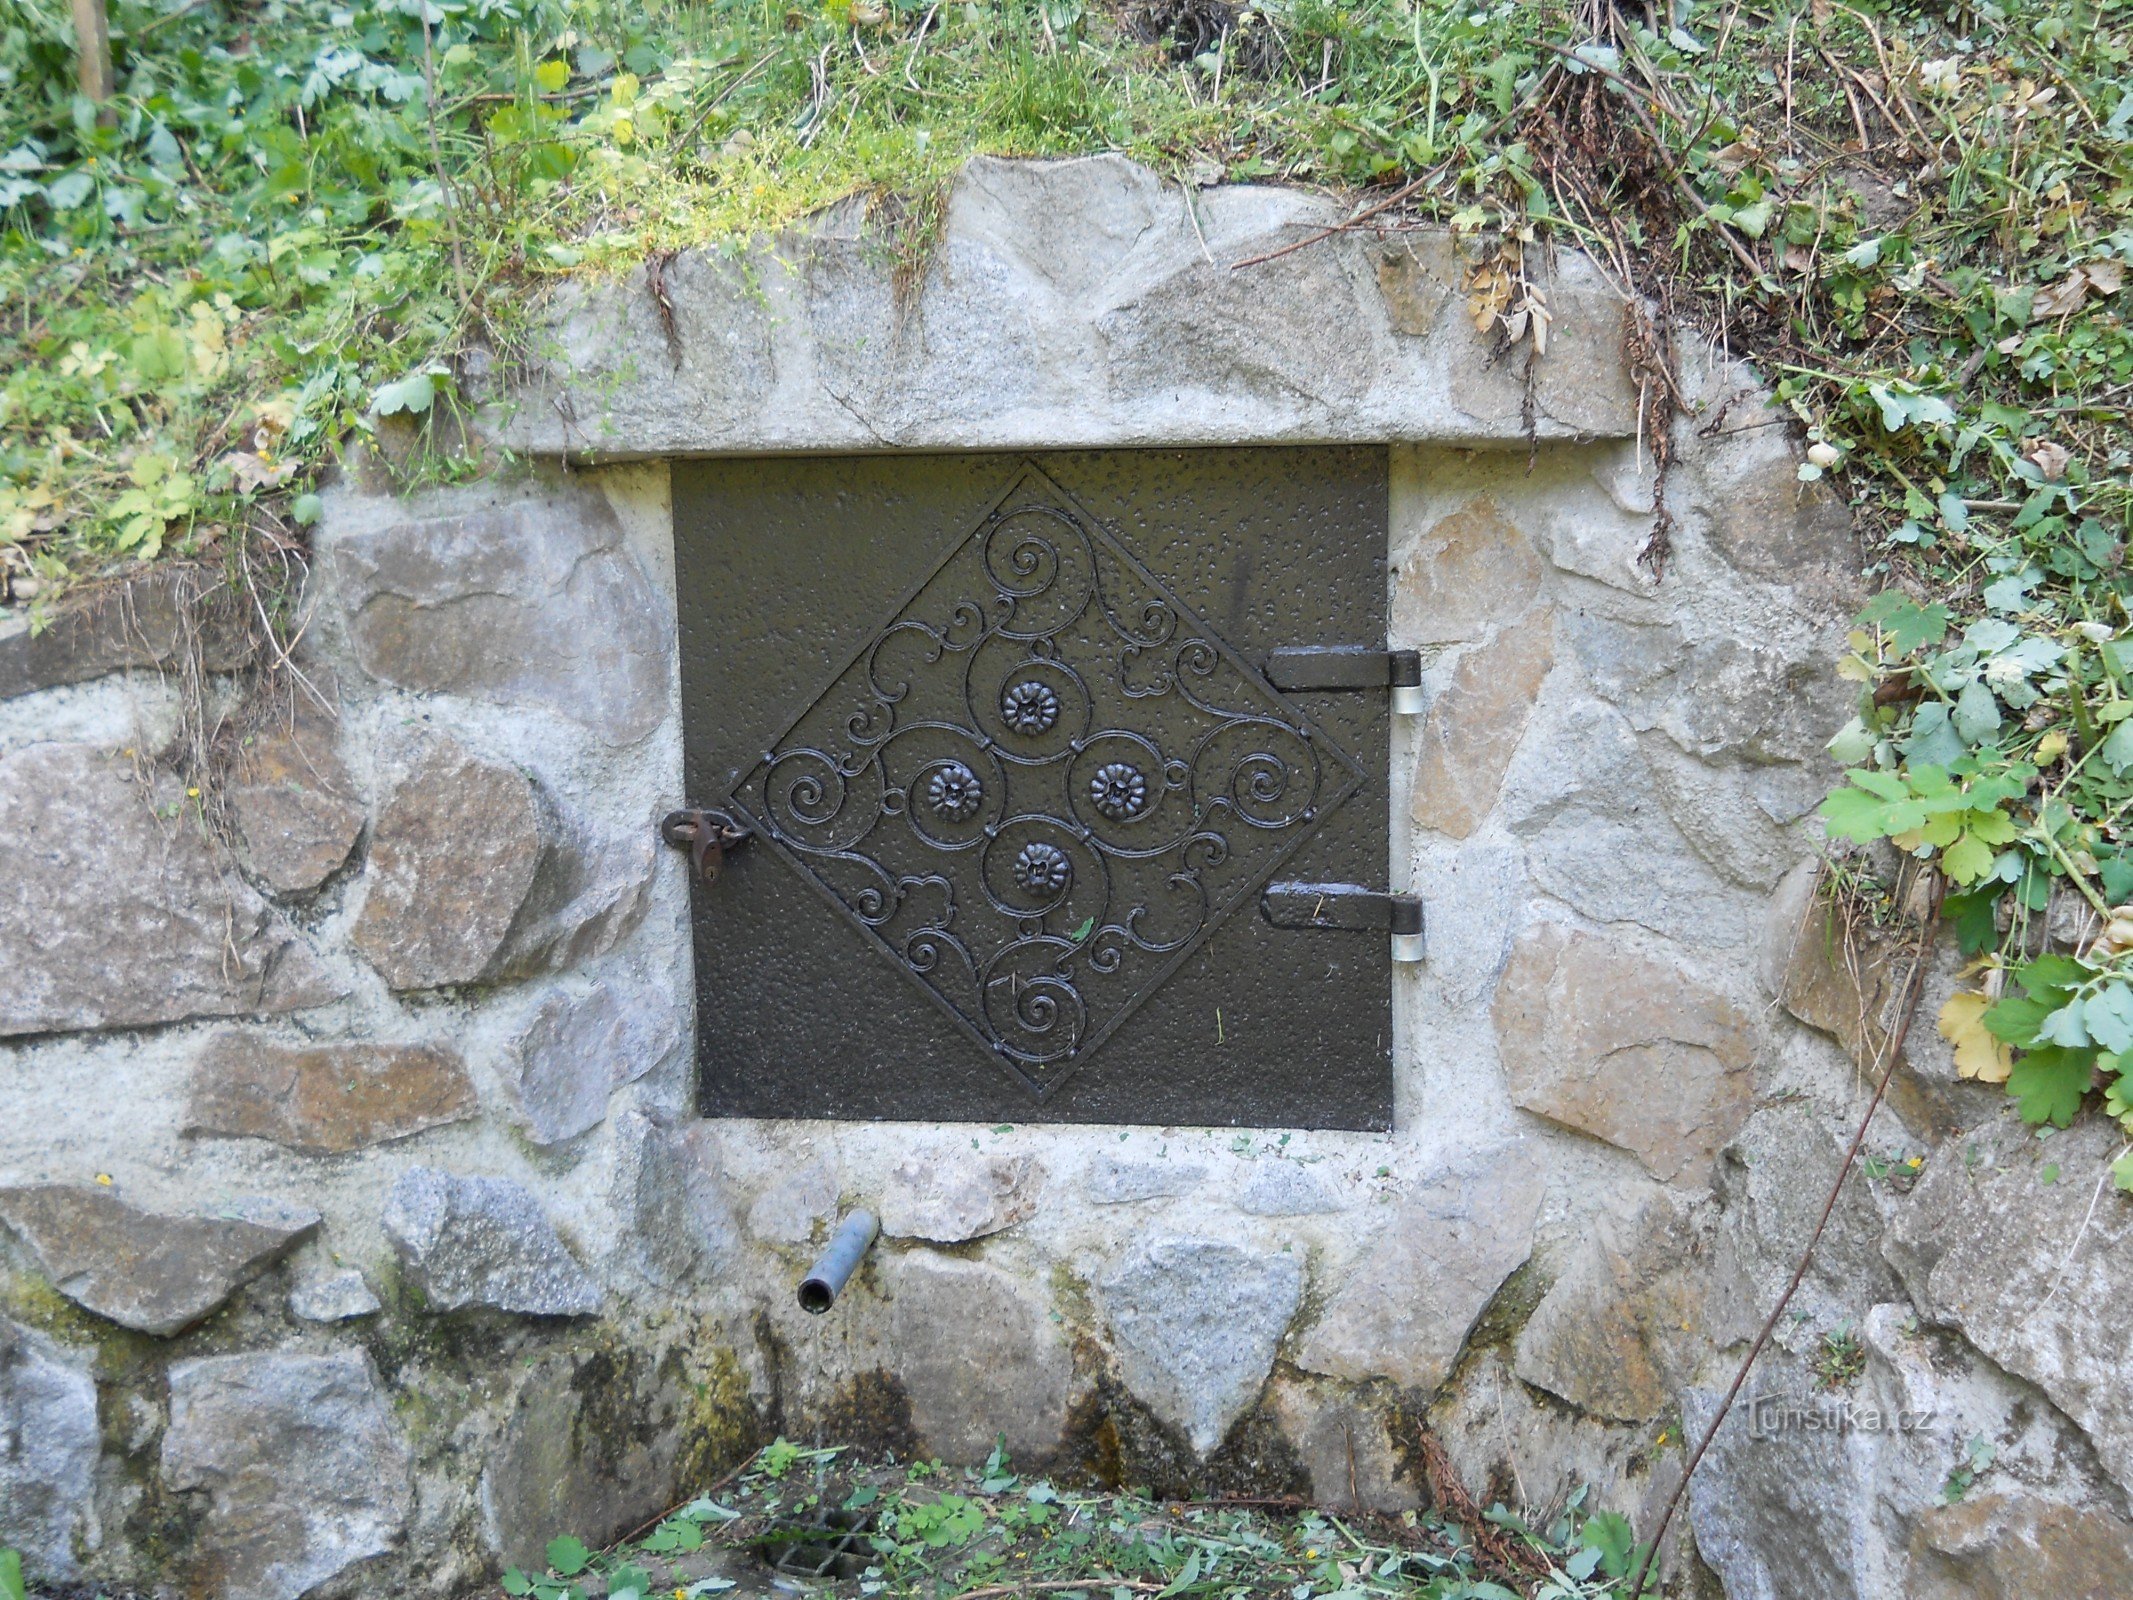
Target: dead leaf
(2052, 459)
(1977, 1053)
(2105, 274)
(2062, 299)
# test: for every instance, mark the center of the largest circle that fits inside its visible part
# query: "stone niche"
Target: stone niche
(357, 1230)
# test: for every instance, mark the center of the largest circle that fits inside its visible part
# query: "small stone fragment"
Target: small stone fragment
(1631, 1049)
(293, 801)
(338, 1296)
(483, 1242)
(305, 1472)
(1284, 1189)
(1473, 726)
(1111, 1181)
(141, 1269)
(786, 1212)
(49, 1444)
(578, 1050)
(947, 1196)
(324, 1099)
(1196, 1324)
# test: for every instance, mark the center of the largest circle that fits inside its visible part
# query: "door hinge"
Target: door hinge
(707, 835)
(1347, 907)
(1350, 666)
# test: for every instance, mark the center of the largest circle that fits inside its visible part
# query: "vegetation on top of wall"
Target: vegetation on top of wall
(294, 219)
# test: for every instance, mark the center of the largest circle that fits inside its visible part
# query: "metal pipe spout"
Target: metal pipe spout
(847, 1248)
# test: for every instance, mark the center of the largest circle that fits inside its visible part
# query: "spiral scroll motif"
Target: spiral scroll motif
(1042, 783)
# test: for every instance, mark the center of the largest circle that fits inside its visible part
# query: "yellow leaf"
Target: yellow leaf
(1977, 1053)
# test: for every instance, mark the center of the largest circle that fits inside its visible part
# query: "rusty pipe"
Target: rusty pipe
(847, 1248)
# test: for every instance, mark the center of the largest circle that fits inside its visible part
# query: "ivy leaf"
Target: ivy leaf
(2108, 1015)
(2048, 1084)
(1977, 1053)
(568, 1557)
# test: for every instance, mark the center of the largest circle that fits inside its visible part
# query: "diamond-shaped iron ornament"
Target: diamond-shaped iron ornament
(1042, 784)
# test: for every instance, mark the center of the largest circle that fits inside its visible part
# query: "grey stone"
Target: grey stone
(141, 1269)
(325, 1099)
(1284, 1189)
(474, 877)
(1619, 1330)
(592, 1444)
(978, 1357)
(1196, 1323)
(2020, 1547)
(304, 1470)
(671, 1184)
(337, 1296)
(117, 910)
(1432, 1271)
(1754, 702)
(578, 1050)
(2034, 1274)
(1113, 1181)
(536, 602)
(49, 1444)
(791, 1205)
(946, 1196)
(295, 806)
(483, 1242)
(1074, 302)
(1717, 811)
(1346, 1448)
(144, 621)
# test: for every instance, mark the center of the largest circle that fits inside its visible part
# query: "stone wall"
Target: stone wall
(359, 1235)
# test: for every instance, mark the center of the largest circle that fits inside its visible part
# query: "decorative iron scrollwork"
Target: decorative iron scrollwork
(1042, 783)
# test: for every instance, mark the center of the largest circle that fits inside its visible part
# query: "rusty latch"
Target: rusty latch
(707, 836)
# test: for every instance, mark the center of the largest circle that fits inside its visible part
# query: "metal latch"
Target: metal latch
(1348, 907)
(707, 836)
(1351, 666)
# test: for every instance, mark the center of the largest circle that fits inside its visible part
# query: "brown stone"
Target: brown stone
(1626, 1047)
(143, 1270)
(1470, 568)
(144, 621)
(1473, 726)
(1418, 279)
(292, 799)
(2000, 1547)
(452, 861)
(117, 908)
(326, 1099)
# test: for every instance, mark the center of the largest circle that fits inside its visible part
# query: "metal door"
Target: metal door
(1031, 822)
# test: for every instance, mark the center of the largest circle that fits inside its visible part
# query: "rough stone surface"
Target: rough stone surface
(535, 603)
(1434, 1268)
(2007, 1547)
(946, 1196)
(1196, 1322)
(112, 916)
(295, 806)
(304, 1470)
(1626, 1047)
(141, 622)
(671, 1184)
(49, 1443)
(141, 1269)
(978, 1356)
(1472, 567)
(788, 1211)
(1284, 1189)
(1114, 1181)
(1617, 1332)
(1346, 1448)
(592, 1444)
(1842, 980)
(1474, 723)
(1075, 303)
(2035, 1274)
(337, 1296)
(326, 1099)
(577, 1051)
(473, 877)
(483, 1242)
